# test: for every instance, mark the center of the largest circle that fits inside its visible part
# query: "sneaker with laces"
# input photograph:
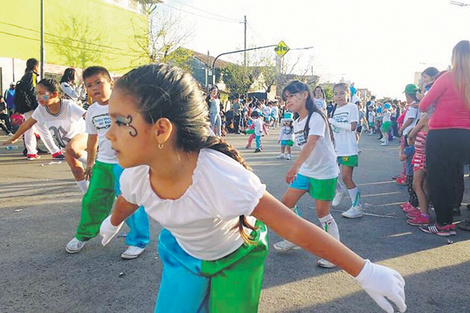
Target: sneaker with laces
(354, 212)
(325, 263)
(257, 150)
(74, 246)
(444, 231)
(280, 156)
(422, 219)
(413, 214)
(31, 157)
(58, 155)
(285, 245)
(410, 209)
(289, 157)
(338, 196)
(132, 252)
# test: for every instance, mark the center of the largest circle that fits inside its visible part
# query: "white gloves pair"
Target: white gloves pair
(108, 230)
(380, 282)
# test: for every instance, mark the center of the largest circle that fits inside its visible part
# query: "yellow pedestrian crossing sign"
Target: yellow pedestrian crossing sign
(281, 48)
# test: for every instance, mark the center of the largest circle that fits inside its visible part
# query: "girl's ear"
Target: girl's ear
(163, 129)
(305, 95)
(112, 83)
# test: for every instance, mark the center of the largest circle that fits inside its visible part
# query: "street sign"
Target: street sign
(281, 49)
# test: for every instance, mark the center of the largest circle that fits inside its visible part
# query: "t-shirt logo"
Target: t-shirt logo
(101, 121)
(300, 138)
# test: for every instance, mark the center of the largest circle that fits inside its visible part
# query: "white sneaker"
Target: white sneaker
(338, 196)
(285, 245)
(132, 252)
(325, 263)
(384, 144)
(280, 156)
(74, 246)
(353, 212)
(289, 157)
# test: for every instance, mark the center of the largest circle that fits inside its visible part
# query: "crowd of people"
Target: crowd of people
(213, 209)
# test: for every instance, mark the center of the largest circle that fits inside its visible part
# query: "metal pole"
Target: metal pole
(244, 57)
(43, 58)
(236, 51)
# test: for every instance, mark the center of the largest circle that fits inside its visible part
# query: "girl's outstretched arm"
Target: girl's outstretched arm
(378, 281)
(23, 128)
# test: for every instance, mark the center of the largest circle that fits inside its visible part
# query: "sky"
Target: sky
(376, 44)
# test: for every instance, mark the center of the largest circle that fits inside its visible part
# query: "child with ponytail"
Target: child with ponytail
(212, 207)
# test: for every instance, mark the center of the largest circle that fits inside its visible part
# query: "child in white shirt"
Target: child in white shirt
(286, 137)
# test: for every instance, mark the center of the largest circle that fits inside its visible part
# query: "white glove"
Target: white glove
(108, 230)
(345, 126)
(380, 282)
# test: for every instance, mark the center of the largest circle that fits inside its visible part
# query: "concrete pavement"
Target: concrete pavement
(40, 209)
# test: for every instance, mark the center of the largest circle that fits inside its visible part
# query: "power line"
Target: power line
(69, 46)
(228, 18)
(67, 38)
(192, 13)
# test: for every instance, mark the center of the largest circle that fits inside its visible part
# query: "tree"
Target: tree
(236, 80)
(81, 42)
(159, 36)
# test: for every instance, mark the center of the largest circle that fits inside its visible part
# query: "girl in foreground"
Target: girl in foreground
(212, 207)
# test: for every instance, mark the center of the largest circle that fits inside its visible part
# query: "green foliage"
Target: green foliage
(328, 89)
(181, 57)
(236, 80)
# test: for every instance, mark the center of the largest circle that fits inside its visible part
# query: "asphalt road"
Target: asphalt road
(40, 209)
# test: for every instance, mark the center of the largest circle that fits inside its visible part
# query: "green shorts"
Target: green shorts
(319, 189)
(351, 161)
(386, 127)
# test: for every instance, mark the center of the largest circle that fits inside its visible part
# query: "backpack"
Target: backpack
(24, 101)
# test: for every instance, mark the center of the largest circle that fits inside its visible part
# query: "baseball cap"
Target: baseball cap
(411, 88)
(12, 84)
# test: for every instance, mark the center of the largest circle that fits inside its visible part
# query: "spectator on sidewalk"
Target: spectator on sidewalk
(8, 96)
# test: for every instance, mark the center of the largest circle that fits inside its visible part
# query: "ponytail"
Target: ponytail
(219, 144)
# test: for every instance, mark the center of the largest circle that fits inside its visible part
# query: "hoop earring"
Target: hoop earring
(160, 146)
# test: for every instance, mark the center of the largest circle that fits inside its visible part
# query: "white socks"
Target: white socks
(83, 185)
(329, 225)
(355, 196)
(83, 157)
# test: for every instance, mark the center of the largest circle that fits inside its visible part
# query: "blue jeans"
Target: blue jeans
(216, 123)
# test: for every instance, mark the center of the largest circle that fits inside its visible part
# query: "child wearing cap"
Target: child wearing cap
(286, 136)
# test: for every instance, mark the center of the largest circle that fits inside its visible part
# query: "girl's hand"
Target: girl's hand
(291, 174)
(8, 142)
(88, 171)
(108, 230)
(384, 285)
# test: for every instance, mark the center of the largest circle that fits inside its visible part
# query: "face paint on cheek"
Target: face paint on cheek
(120, 120)
(44, 97)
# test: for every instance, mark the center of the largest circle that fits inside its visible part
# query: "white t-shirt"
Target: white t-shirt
(411, 113)
(386, 116)
(320, 103)
(97, 123)
(266, 111)
(258, 126)
(345, 140)
(202, 220)
(64, 125)
(286, 133)
(321, 164)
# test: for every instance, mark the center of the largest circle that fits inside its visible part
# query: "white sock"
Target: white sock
(83, 185)
(329, 225)
(355, 196)
(339, 187)
(296, 211)
(83, 157)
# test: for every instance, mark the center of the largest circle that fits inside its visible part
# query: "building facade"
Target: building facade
(76, 34)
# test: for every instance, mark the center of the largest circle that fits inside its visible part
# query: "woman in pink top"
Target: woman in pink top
(448, 140)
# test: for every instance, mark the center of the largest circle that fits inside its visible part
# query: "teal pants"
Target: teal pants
(231, 284)
(98, 202)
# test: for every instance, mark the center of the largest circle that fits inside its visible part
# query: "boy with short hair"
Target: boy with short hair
(103, 172)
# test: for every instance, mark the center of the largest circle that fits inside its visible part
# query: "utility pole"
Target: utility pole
(244, 57)
(244, 47)
(43, 57)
